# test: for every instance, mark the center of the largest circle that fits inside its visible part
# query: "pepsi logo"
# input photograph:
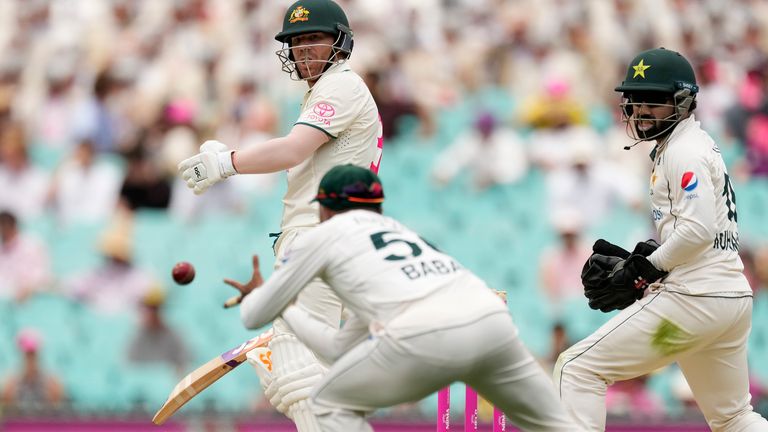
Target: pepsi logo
(689, 181)
(324, 110)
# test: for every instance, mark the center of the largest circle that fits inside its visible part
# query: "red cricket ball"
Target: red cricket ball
(183, 273)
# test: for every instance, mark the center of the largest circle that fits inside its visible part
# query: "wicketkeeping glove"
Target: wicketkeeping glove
(645, 248)
(604, 275)
(212, 165)
(604, 247)
(601, 293)
(635, 273)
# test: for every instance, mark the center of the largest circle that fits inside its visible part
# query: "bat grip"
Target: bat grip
(233, 301)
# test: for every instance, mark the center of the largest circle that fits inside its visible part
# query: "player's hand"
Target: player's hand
(636, 272)
(614, 278)
(256, 281)
(645, 248)
(598, 289)
(606, 248)
(212, 165)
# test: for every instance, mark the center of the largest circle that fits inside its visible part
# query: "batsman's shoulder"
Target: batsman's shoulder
(347, 82)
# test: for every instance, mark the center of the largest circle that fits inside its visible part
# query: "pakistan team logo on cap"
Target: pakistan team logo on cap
(640, 69)
(299, 14)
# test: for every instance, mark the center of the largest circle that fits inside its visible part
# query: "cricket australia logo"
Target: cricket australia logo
(299, 14)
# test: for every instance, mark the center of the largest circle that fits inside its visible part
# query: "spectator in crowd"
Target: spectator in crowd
(560, 266)
(98, 119)
(32, 389)
(590, 184)
(52, 122)
(145, 184)
(155, 340)
(25, 266)
(24, 186)
(10, 72)
(558, 344)
(252, 115)
(761, 268)
(633, 400)
(117, 285)
(557, 121)
(179, 141)
(390, 89)
(492, 154)
(716, 95)
(747, 121)
(85, 188)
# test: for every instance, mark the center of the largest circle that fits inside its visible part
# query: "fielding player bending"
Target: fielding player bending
(339, 123)
(698, 307)
(418, 321)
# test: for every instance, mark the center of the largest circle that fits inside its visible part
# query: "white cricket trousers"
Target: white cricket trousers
(706, 336)
(294, 365)
(486, 354)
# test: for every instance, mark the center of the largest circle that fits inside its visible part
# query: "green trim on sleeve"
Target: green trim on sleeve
(316, 127)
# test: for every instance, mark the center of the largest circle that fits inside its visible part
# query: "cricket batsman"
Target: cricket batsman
(339, 123)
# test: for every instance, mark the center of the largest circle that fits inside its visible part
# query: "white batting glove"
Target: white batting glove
(212, 165)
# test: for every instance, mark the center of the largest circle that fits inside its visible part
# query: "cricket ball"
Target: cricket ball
(183, 273)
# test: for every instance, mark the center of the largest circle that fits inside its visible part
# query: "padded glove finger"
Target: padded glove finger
(604, 247)
(645, 248)
(635, 273)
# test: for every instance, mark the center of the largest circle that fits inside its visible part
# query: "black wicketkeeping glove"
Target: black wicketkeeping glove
(597, 275)
(635, 273)
(604, 247)
(597, 287)
(645, 248)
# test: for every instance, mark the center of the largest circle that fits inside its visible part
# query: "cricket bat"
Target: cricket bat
(207, 374)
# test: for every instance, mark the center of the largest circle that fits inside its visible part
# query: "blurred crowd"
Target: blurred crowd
(99, 101)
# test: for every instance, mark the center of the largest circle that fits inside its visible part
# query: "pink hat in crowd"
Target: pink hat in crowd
(557, 88)
(180, 111)
(28, 340)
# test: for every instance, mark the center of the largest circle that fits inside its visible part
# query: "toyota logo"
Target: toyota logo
(323, 109)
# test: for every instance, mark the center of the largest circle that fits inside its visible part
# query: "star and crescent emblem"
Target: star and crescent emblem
(640, 69)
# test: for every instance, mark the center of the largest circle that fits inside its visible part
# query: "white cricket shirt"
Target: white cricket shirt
(382, 271)
(694, 208)
(340, 105)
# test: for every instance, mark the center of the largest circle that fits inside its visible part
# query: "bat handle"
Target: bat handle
(233, 301)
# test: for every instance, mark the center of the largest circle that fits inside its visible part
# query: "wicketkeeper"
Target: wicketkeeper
(686, 300)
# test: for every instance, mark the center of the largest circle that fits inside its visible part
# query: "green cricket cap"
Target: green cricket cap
(349, 186)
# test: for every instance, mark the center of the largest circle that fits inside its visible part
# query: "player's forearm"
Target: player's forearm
(326, 341)
(685, 244)
(305, 261)
(262, 305)
(269, 156)
(315, 334)
(281, 153)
